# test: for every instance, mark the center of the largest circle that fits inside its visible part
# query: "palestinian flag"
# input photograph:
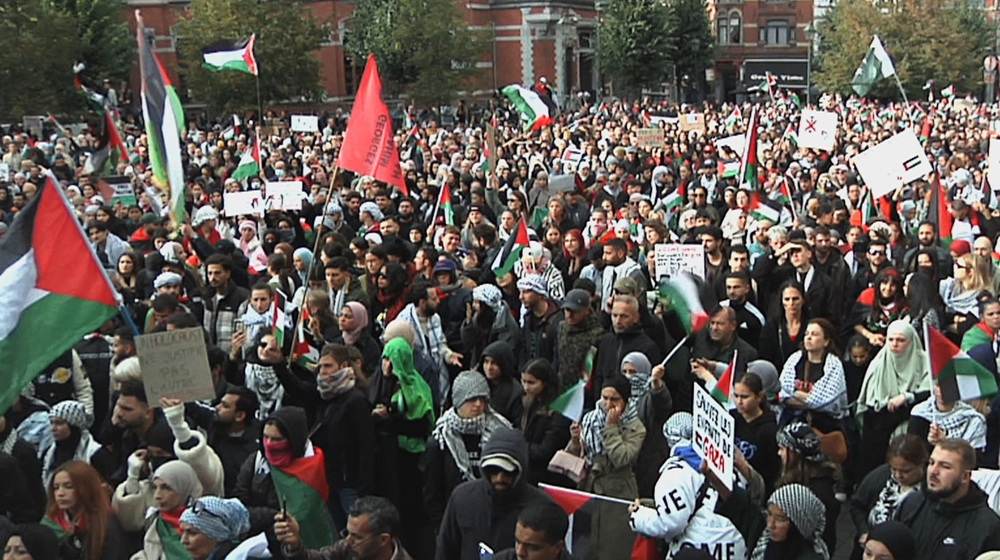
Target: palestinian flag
(233, 130)
(304, 354)
(723, 390)
(532, 108)
(676, 198)
(795, 100)
(444, 203)
(733, 118)
(249, 165)
(303, 490)
(682, 295)
(729, 169)
(938, 214)
(948, 91)
(748, 161)
(164, 116)
(763, 209)
(960, 377)
(231, 55)
(784, 196)
(570, 403)
(281, 324)
(110, 151)
(53, 289)
(979, 334)
(791, 135)
(518, 240)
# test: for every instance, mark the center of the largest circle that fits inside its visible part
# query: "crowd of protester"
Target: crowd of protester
(424, 420)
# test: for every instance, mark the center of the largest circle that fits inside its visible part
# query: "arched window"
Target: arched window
(730, 29)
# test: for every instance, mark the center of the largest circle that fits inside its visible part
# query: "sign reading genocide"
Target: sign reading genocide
(175, 365)
(714, 433)
(674, 258)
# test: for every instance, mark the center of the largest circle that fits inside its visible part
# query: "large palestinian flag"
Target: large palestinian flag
(302, 488)
(959, 377)
(164, 116)
(231, 55)
(52, 290)
(505, 259)
(110, 150)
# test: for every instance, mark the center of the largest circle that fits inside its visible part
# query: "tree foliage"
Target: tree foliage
(693, 38)
(636, 47)
(287, 38)
(41, 40)
(423, 47)
(947, 46)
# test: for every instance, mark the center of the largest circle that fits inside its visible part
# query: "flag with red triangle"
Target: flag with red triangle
(959, 377)
(511, 252)
(938, 213)
(723, 390)
(748, 161)
(249, 165)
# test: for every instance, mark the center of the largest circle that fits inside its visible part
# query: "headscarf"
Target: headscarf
(678, 428)
(805, 511)
(892, 374)
(800, 438)
(181, 478)
(360, 322)
(307, 257)
(39, 540)
(413, 399)
(592, 426)
(896, 537)
(218, 519)
(640, 381)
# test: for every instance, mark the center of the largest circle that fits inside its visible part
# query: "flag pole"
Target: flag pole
(260, 106)
(437, 205)
(587, 495)
(900, 86)
(329, 197)
(675, 349)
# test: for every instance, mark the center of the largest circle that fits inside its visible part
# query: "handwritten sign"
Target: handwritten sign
(305, 123)
(246, 203)
(674, 258)
(284, 195)
(175, 364)
(714, 432)
(649, 137)
(693, 121)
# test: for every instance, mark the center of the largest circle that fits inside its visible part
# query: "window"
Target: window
(730, 30)
(776, 32)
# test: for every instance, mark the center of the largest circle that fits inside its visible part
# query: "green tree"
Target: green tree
(693, 39)
(37, 51)
(105, 43)
(423, 47)
(287, 38)
(950, 54)
(636, 47)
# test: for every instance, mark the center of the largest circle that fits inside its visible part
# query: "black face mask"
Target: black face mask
(286, 235)
(928, 270)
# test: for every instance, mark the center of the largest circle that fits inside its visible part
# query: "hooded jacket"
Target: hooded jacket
(959, 531)
(505, 393)
(478, 513)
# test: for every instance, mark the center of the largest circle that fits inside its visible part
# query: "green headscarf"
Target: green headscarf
(413, 399)
(892, 374)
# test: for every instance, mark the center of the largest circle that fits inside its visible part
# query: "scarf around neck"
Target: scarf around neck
(451, 427)
(593, 429)
(341, 382)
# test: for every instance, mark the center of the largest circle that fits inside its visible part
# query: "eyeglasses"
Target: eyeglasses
(960, 265)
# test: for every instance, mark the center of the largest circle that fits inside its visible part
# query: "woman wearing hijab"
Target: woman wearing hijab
(354, 332)
(488, 320)
(609, 438)
(653, 404)
(302, 261)
(70, 421)
(499, 365)
(31, 541)
(176, 485)
(795, 524)
(802, 462)
(896, 379)
(459, 436)
(212, 527)
(890, 540)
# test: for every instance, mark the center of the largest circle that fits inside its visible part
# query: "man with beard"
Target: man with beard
(486, 510)
(951, 518)
(373, 528)
(406, 216)
(829, 261)
(927, 238)
(223, 299)
(233, 433)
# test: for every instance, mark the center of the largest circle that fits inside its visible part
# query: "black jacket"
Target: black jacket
(477, 513)
(613, 347)
(506, 392)
(546, 432)
(233, 451)
(959, 531)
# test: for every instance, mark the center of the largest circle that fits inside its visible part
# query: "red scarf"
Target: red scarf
(71, 527)
(173, 518)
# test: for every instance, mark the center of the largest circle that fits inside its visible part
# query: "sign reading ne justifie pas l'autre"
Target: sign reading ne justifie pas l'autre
(175, 365)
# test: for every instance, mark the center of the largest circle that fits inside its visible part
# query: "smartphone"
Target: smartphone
(239, 325)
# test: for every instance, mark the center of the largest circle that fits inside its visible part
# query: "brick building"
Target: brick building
(530, 39)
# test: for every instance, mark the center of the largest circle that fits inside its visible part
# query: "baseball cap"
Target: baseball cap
(501, 461)
(626, 285)
(576, 300)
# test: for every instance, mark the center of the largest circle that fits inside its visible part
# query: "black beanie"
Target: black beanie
(621, 384)
(39, 540)
(896, 537)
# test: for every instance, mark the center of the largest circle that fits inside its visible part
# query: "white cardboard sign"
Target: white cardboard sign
(895, 162)
(284, 195)
(674, 258)
(244, 203)
(714, 435)
(175, 364)
(305, 123)
(817, 129)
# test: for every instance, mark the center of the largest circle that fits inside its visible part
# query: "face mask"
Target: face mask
(286, 235)
(157, 462)
(278, 454)
(928, 270)
(279, 173)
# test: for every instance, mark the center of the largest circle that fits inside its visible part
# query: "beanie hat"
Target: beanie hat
(39, 540)
(803, 440)
(896, 537)
(218, 519)
(167, 279)
(204, 214)
(467, 386)
(960, 247)
(74, 413)
(373, 209)
(248, 224)
(619, 383)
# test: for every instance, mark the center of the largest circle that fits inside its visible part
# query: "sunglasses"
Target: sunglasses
(876, 253)
(198, 508)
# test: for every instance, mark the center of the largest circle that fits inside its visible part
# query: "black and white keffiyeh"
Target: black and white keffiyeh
(806, 513)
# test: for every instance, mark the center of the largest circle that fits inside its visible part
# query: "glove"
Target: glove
(175, 418)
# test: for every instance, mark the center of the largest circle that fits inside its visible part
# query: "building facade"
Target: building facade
(531, 39)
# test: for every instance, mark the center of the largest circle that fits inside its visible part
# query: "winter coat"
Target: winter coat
(613, 347)
(572, 345)
(506, 392)
(943, 531)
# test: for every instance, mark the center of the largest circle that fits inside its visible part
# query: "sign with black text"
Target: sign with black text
(175, 365)
(714, 435)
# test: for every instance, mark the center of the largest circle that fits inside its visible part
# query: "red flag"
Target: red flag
(368, 147)
(569, 500)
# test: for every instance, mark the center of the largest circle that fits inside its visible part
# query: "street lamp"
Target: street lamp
(810, 34)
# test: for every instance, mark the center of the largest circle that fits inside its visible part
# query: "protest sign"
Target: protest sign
(894, 162)
(562, 183)
(736, 142)
(4, 172)
(120, 189)
(246, 203)
(693, 121)
(571, 157)
(175, 365)
(817, 129)
(993, 164)
(649, 137)
(305, 123)
(714, 431)
(674, 258)
(284, 195)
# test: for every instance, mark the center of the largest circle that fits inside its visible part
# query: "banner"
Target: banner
(674, 258)
(305, 123)
(894, 162)
(817, 129)
(246, 203)
(714, 433)
(175, 364)
(649, 137)
(283, 195)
